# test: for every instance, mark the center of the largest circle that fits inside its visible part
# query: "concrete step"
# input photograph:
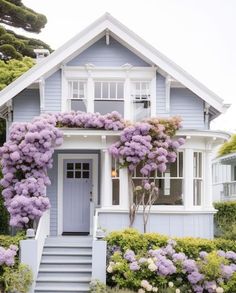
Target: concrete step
(67, 279)
(65, 274)
(67, 251)
(54, 288)
(58, 266)
(66, 258)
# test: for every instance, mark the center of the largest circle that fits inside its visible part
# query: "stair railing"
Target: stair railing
(95, 224)
(43, 231)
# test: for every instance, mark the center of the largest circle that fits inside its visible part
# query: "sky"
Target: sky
(198, 35)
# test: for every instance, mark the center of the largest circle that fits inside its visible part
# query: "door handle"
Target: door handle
(91, 196)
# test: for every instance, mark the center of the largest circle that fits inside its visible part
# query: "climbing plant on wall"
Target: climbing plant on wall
(27, 155)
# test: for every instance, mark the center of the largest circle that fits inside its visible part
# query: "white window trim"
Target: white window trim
(200, 178)
(92, 73)
(61, 158)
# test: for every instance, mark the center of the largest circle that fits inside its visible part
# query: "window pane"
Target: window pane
(120, 90)
(141, 110)
(85, 166)
(115, 168)
(197, 191)
(70, 174)
(180, 156)
(85, 174)
(77, 166)
(97, 93)
(170, 191)
(82, 90)
(77, 174)
(113, 90)
(70, 166)
(105, 90)
(104, 107)
(115, 191)
(78, 105)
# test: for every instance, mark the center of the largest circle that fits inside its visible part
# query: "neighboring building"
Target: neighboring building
(224, 178)
(107, 67)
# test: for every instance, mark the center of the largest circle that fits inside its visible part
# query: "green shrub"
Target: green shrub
(153, 262)
(225, 219)
(6, 241)
(18, 279)
(139, 243)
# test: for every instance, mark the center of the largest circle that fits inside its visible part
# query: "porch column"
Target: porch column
(106, 180)
(124, 188)
(188, 178)
(207, 200)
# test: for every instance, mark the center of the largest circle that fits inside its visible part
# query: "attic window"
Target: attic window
(77, 95)
(109, 96)
(141, 97)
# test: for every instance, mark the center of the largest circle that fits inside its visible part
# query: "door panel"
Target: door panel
(77, 187)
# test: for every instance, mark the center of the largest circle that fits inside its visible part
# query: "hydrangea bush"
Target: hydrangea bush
(164, 269)
(27, 155)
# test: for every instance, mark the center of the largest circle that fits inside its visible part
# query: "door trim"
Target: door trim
(61, 158)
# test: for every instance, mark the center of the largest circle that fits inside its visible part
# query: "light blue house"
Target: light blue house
(107, 67)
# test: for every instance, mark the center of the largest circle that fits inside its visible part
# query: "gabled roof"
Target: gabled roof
(132, 41)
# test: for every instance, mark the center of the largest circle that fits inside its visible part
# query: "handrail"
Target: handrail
(95, 224)
(43, 231)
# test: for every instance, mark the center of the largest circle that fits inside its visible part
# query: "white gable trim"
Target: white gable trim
(90, 35)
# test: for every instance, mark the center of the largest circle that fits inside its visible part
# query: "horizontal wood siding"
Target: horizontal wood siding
(173, 225)
(53, 92)
(189, 106)
(26, 105)
(160, 94)
(110, 55)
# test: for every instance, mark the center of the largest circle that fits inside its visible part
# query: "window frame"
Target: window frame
(198, 176)
(109, 81)
(162, 177)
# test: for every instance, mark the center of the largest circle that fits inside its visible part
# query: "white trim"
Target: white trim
(42, 94)
(61, 158)
(92, 33)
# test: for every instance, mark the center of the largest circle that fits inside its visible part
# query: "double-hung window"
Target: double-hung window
(109, 96)
(169, 183)
(197, 178)
(141, 99)
(77, 95)
(115, 174)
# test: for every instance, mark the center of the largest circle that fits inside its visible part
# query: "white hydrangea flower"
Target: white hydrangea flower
(177, 290)
(154, 289)
(150, 260)
(141, 290)
(219, 290)
(149, 288)
(171, 284)
(109, 269)
(152, 267)
(144, 283)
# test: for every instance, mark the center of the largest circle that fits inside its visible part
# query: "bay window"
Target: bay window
(197, 178)
(169, 183)
(77, 95)
(109, 96)
(141, 99)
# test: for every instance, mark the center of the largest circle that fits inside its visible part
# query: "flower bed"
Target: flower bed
(14, 277)
(154, 263)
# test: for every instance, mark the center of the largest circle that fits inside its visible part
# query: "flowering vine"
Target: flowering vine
(150, 146)
(27, 155)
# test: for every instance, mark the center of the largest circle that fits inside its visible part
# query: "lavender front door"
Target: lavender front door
(77, 190)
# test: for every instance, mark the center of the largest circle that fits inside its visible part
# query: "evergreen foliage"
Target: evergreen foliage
(16, 46)
(14, 13)
(225, 219)
(228, 147)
